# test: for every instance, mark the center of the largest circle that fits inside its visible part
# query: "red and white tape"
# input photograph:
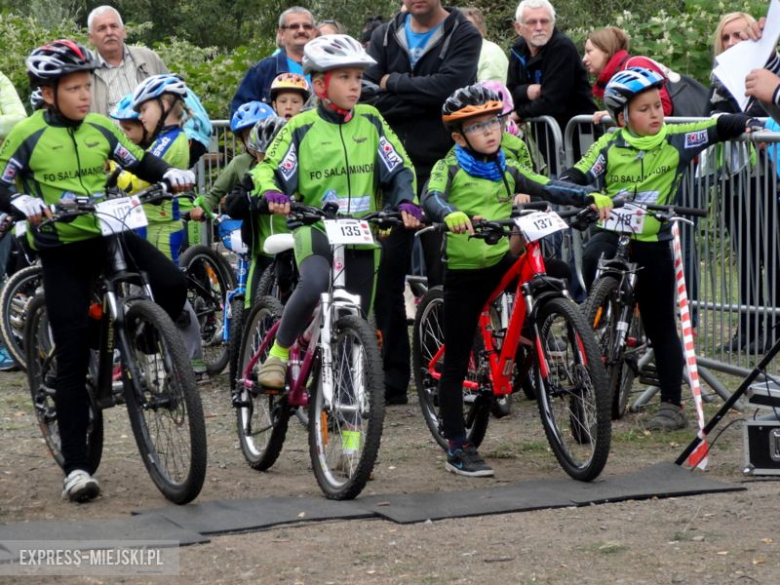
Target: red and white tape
(699, 456)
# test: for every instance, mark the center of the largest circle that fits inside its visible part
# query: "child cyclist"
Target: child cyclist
(342, 151)
(241, 124)
(477, 179)
(61, 151)
(158, 102)
(255, 228)
(645, 159)
(289, 94)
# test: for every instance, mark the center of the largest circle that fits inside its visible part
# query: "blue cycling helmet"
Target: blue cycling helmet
(155, 86)
(626, 85)
(124, 111)
(249, 114)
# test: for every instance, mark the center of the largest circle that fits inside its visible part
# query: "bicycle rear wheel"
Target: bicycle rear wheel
(209, 278)
(163, 404)
(427, 339)
(344, 436)
(262, 415)
(15, 299)
(42, 376)
(572, 392)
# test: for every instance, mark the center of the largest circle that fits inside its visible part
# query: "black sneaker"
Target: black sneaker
(466, 461)
(736, 343)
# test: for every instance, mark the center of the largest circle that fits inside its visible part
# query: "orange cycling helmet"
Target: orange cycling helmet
(468, 102)
(290, 82)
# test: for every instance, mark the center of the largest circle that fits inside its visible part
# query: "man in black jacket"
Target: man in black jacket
(546, 75)
(422, 55)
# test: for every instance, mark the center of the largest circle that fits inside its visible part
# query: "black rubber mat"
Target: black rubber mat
(192, 523)
(135, 528)
(222, 516)
(661, 480)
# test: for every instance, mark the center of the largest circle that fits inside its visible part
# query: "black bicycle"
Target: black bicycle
(137, 359)
(611, 306)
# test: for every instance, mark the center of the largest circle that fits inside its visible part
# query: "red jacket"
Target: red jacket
(621, 61)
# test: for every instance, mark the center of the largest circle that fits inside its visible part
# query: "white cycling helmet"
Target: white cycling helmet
(627, 84)
(333, 51)
(153, 87)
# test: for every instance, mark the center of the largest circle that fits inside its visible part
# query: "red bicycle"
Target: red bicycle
(548, 337)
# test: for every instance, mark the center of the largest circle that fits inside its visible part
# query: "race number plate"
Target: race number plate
(120, 215)
(535, 226)
(628, 219)
(348, 231)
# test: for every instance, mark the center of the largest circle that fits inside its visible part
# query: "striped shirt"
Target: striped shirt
(120, 80)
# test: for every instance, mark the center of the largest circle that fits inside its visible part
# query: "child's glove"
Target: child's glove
(603, 204)
(276, 197)
(458, 222)
(412, 209)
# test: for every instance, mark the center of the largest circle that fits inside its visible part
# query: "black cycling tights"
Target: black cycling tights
(655, 295)
(69, 272)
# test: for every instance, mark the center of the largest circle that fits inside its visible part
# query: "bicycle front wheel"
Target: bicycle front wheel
(163, 404)
(15, 299)
(42, 377)
(344, 435)
(572, 392)
(209, 278)
(427, 340)
(262, 415)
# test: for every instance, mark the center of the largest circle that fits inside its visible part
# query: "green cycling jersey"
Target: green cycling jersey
(46, 157)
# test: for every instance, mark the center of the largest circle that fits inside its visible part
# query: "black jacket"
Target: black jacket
(413, 100)
(558, 67)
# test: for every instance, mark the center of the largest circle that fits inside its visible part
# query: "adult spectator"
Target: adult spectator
(296, 28)
(11, 107)
(369, 26)
(606, 53)
(493, 62)
(11, 112)
(748, 206)
(546, 76)
(122, 67)
(330, 27)
(764, 85)
(423, 55)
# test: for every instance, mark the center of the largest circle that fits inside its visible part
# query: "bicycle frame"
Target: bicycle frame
(332, 302)
(533, 282)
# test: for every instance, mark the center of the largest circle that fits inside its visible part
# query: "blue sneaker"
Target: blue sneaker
(466, 461)
(7, 363)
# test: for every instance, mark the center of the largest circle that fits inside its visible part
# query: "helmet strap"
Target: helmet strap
(323, 95)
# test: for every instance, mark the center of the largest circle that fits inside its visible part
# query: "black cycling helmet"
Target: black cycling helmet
(50, 62)
(468, 102)
(263, 133)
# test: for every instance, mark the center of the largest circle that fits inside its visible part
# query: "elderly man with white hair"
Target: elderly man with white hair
(546, 75)
(122, 67)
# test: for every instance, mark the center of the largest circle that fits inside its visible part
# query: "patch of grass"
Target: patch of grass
(534, 447)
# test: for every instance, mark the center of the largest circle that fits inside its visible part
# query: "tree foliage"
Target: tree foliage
(213, 42)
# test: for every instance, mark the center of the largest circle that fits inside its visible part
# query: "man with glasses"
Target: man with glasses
(546, 74)
(296, 28)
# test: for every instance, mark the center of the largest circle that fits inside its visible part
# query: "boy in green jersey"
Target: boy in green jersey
(645, 160)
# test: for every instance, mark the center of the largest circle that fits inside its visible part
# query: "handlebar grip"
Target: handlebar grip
(693, 211)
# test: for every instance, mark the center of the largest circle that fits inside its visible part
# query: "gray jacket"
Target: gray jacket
(147, 64)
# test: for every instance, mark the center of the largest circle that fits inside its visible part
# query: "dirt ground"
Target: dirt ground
(711, 539)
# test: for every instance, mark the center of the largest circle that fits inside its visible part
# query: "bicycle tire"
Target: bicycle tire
(41, 375)
(237, 316)
(572, 392)
(344, 439)
(427, 338)
(209, 278)
(258, 408)
(163, 403)
(18, 291)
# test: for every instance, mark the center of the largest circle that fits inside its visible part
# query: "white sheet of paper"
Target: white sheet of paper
(735, 63)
